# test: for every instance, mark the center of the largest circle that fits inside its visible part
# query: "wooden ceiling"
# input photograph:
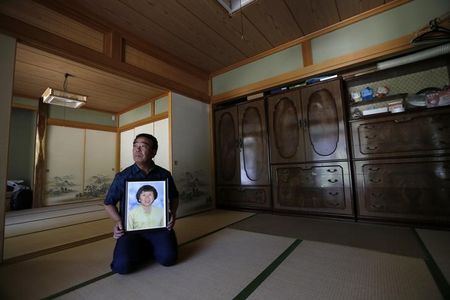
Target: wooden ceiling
(198, 32)
(36, 70)
(202, 33)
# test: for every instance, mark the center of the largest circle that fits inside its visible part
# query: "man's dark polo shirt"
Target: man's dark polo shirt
(116, 191)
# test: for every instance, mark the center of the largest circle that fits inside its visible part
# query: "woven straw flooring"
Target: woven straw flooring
(226, 255)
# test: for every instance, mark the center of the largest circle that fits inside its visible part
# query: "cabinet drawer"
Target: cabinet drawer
(317, 188)
(414, 189)
(408, 134)
(244, 197)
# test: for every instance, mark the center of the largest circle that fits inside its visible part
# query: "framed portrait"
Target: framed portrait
(145, 205)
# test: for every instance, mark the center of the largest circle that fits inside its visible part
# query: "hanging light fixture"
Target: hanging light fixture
(63, 98)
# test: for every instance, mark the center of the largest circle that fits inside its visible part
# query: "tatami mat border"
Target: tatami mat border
(66, 291)
(55, 217)
(252, 286)
(435, 271)
(47, 251)
(53, 228)
(60, 207)
(75, 287)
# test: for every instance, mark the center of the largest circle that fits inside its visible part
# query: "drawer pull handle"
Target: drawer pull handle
(372, 148)
(376, 195)
(442, 142)
(370, 136)
(375, 180)
(333, 193)
(332, 170)
(374, 169)
(333, 180)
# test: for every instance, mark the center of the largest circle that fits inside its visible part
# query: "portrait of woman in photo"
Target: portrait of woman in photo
(145, 215)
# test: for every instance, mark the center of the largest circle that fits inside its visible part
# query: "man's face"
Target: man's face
(143, 151)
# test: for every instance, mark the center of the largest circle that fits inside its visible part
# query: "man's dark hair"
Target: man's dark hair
(146, 188)
(150, 137)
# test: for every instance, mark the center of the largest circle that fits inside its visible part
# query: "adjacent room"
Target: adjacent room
(309, 142)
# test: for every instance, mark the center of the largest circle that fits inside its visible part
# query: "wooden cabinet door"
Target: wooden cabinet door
(254, 158)
(227, 146)
(286, 128)
(325, 137)
(404, 189)
(322, 188)
(421, 133)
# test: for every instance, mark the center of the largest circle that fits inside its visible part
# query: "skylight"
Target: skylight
(234, 5)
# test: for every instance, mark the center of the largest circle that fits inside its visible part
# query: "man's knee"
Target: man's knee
(167, 260)
(122, 266)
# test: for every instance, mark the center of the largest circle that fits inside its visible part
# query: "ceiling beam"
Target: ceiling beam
(110, 60)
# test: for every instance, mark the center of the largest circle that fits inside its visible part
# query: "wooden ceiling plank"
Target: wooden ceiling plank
(229, 27)
(143, 61)
(38, 38)
(275, 20)
(129, 21)
(60, 65)
(102, 99)
(53, 22)
(178, 21)
(313, 15)
(35, 70)
(350, 8)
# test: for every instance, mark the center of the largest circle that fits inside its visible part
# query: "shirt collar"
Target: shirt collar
(137, 170)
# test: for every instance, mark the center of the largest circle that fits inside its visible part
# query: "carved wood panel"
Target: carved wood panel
(253, 142)
(408, 134)
(325, 137)
(227, 150)
(317, 188)
(405, 188)
(286, 128)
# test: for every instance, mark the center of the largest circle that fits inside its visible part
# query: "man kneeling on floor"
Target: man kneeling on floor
(134, 248)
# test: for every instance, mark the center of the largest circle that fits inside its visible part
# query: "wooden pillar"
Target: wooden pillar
(7, 63)
(307, 53)
(40, 164)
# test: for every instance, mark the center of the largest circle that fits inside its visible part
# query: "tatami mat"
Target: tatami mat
(390, 239)
(317, 270)
(438, 244)
(53, 222)
(46, 215)
(45, 209)
(48, 239)
(218, 266)
(218, 263)
(49, 274)
(198, 225)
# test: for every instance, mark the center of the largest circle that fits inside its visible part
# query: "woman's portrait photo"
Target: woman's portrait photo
(146, 205)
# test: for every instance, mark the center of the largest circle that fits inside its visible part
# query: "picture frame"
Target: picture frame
(142, 211)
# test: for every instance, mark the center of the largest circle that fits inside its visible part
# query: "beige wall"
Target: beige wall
(7, 62)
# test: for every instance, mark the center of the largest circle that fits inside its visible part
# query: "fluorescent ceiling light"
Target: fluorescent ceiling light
(234, 5)
(63, 98)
